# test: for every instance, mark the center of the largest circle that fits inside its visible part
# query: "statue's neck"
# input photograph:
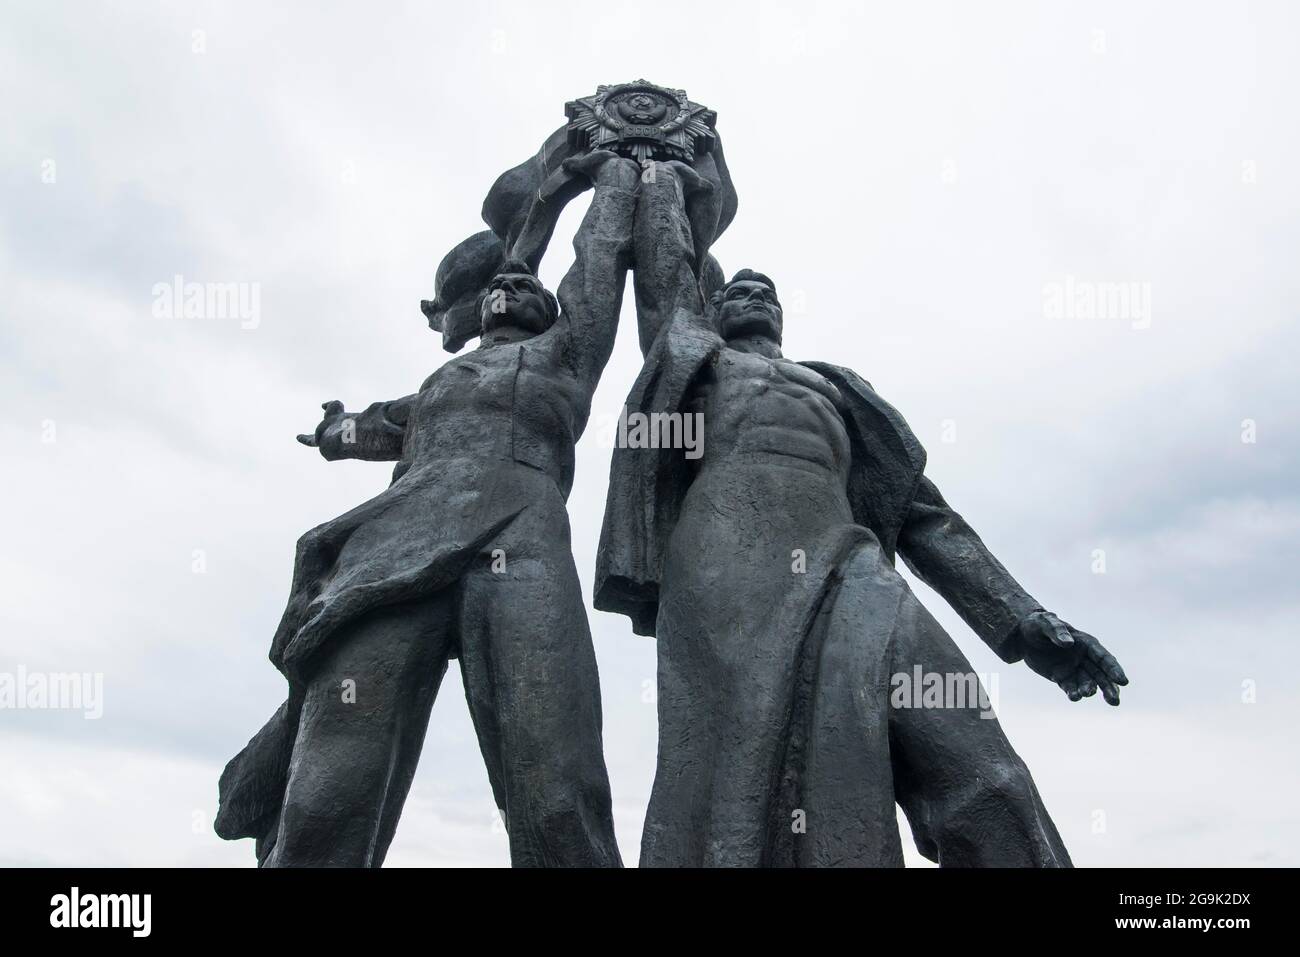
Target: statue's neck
(756, 345)
(503, 335)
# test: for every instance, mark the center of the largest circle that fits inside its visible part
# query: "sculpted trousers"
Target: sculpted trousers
(968, 796)
(776, 710)
(530, 679)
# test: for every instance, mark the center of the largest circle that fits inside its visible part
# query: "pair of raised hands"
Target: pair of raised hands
(607, 168)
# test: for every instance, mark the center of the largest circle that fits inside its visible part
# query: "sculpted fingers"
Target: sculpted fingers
(1070, 686)
(331, 409)
(1059, 632)
(1108, 690)
(588, 164)
(1103, 659)
(691, 180)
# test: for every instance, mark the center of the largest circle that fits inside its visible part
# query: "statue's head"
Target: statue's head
(747, 306)
(516, 299)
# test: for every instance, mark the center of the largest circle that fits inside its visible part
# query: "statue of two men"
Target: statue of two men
(764, 569)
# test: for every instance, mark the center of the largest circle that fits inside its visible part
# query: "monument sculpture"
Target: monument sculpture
(466, 555)
(764, 569)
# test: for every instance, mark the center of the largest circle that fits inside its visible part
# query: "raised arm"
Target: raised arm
(375, 435)
(591, 293)
(945, 553)
(668, 244)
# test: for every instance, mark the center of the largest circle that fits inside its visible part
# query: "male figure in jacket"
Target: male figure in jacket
(466, 555)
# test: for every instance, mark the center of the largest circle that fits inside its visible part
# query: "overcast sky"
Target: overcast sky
(919, 179)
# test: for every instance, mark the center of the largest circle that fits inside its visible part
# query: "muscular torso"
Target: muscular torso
(754, 540)
(772, 480)
(772, 413)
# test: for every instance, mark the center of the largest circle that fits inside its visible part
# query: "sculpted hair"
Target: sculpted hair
(744, 275)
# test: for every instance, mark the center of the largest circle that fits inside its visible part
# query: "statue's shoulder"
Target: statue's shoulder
(869, 410)
(839, 375)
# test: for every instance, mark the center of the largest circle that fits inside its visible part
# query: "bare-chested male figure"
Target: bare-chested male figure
(765, 570)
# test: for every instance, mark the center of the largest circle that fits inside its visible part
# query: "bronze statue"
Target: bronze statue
(765, 571)
(762, 560)
(466, 555)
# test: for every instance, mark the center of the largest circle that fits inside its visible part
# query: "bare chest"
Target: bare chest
(756, 404)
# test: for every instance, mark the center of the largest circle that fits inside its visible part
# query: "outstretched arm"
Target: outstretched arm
(375, 435)
(591, 293)
(945, 553)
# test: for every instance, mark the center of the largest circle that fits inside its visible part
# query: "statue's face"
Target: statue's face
(518, 300)
(749, 308)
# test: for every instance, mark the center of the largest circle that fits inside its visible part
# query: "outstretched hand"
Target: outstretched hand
(1074, 659)
(328, 436)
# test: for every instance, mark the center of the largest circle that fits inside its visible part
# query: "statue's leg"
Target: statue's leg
(664, 274)
(363, 721)
(534, 695)
(968, 796)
